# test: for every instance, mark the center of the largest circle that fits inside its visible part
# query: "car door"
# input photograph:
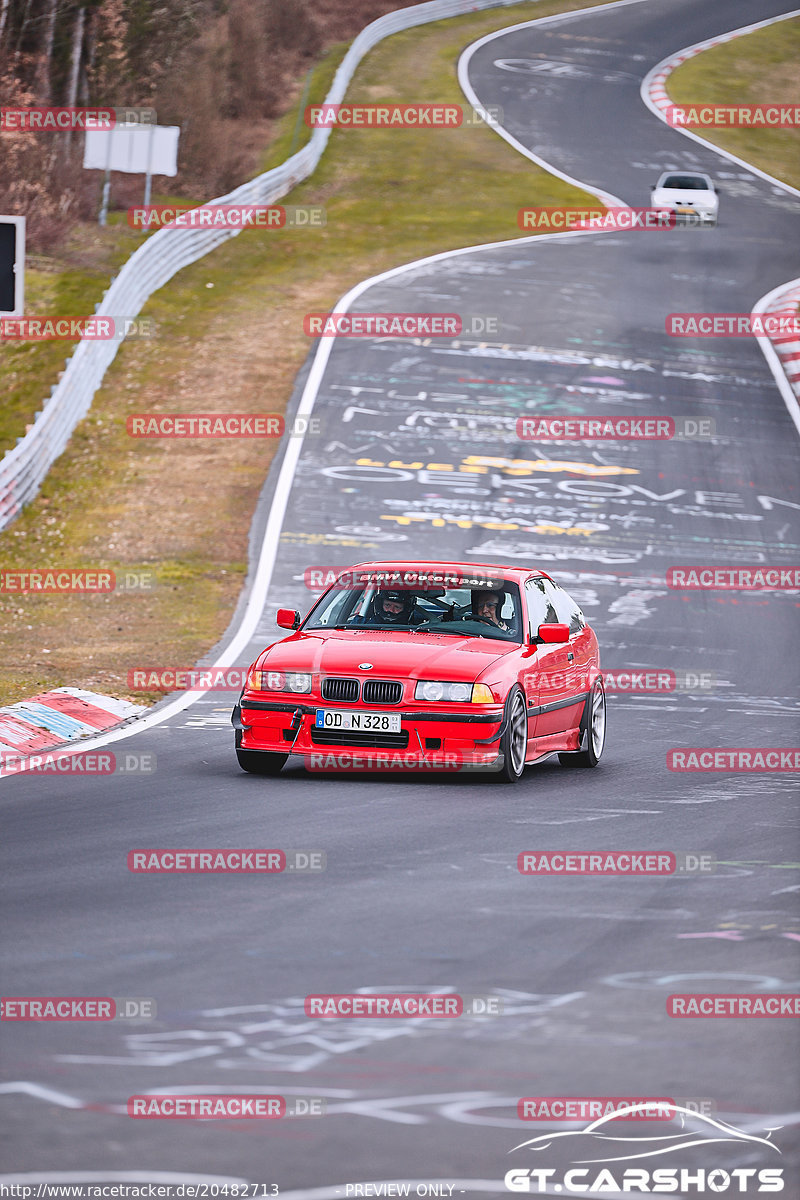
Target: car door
(560, 669)
(578, 653)
(545, 678)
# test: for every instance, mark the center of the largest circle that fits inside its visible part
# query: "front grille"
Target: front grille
(345, 737)
(382, 691)
(343, 690)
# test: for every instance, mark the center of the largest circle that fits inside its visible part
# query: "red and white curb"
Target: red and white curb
(656, 80)
(63, 715)
(654, 91)
(782, 352)
(787, 346)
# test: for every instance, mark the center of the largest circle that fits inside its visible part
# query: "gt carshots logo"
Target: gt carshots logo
(656, 1183)
(696, 1129)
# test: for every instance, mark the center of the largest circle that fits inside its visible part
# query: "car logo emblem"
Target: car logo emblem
(365, 666)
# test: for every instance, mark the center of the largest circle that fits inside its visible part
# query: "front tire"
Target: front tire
(514, 742)
(593, 725)
(259, 762)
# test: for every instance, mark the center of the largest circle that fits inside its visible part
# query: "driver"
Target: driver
(394, 608)
(487, 606)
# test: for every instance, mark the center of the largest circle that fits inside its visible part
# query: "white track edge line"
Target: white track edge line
(607, 198)
(677, 59)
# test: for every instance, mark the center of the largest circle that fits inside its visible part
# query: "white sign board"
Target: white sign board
(140, 150)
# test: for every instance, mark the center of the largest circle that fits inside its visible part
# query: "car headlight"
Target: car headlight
(279, 681)
(434, 689)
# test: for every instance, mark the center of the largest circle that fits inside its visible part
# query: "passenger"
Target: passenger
(394, 608)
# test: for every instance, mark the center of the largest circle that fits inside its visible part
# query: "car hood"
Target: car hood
(393, 655)
(667, 196)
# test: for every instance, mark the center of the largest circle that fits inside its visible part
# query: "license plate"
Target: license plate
(691, 211)
(376, 722)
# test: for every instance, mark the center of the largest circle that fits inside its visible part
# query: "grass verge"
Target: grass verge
(757, 68)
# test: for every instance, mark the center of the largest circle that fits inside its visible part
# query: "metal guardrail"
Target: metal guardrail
(23, 469)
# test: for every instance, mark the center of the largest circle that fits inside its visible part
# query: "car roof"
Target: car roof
(516, 574)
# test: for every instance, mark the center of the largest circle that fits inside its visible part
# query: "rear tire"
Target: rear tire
(514, 742)
(259, 762)
(593, 724)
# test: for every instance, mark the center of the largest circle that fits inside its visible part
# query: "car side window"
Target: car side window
(565, 606)
(541, 609)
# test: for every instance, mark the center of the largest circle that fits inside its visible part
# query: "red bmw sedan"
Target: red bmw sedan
(417, 665)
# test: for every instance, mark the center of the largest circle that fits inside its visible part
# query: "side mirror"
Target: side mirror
(553, 633)
(287, 618)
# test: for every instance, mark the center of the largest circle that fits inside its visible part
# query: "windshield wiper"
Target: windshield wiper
(347, 625)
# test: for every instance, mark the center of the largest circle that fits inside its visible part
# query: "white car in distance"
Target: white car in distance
(691, 196)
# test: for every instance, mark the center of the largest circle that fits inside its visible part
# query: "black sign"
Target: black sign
(8, 256)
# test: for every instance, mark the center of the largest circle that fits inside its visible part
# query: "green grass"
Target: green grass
(27, 367)
(757, 68)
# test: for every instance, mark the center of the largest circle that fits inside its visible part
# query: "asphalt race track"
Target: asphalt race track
(418, 457)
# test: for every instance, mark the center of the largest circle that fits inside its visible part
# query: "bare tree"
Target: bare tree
(3, 17)
(75, 57)
(75, 64)
(46, 89)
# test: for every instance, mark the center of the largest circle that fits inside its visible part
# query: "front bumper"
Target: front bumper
(429, 736)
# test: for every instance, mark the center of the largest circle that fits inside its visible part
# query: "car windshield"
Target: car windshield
(686, 183)
(490, 610)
